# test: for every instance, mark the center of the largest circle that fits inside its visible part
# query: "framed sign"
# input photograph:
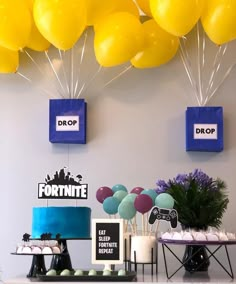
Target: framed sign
(107, 241)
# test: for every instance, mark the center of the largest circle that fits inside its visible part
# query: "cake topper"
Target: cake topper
(63, 185)
(26, 237)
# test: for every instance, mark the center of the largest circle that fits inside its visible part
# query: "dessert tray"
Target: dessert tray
(198, 238)
(114, 277)
(196, 242)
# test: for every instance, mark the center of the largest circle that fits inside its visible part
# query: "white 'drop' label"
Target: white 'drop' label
(67, 123)
(205, 131)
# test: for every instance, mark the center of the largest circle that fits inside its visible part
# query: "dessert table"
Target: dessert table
(214, 245)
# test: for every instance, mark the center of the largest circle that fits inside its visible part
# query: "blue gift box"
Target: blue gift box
(67, 121)
(204, 129)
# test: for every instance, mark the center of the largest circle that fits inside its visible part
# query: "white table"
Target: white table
(217, 277)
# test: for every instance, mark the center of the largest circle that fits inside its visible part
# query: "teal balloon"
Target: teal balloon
(126, 210)
(130, 197)
(164, 200)
(119, 187)
(110, 205)
(150, 192)
(120, 195)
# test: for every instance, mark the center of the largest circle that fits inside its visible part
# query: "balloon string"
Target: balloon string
(199, 65)
(35, 63)
(189, 72)
(55, 72)
(216, 65)
(185, 52)
(120, 74)
(30, 81)
(85, 86)
(62, 58)
(220, 83)
(71, 94)
(80, 64)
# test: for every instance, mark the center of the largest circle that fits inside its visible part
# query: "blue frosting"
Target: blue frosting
(69, 222)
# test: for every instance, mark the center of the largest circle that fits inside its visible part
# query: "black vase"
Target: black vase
(195, 258)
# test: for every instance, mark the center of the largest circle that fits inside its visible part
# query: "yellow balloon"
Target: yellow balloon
(9, 60)
(161, 47)
(61, 22)
(144, 5)
(219, 20)
(177, 17)
(98, 9)
(15, 24)
(36, 41)
(30, 4)
(117, 39)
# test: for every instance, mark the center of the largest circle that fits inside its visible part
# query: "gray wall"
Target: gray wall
(136, 134)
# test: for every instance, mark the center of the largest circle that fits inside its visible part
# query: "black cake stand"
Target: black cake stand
(59, 262)
(63, 261)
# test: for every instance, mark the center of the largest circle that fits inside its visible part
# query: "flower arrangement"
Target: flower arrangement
(199, 199)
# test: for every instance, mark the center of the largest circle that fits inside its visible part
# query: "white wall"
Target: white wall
(136, 134)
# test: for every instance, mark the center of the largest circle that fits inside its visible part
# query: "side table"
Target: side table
(167, 243)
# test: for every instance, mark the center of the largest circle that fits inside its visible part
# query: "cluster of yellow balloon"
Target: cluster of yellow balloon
(15, 27)
(121, 37)
(119, 34)
(218, 17)
(37, 24)
(219, 20)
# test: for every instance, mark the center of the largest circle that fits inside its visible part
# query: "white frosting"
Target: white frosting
(47, 250)
(36, 250)
(166, 236)
(19, 249)
(212, 237)
(199, 236)
(230, 236)
(176, 236)
(56, 249)
(222, 236)
(26, 250)
(187, 236)
(142, 246)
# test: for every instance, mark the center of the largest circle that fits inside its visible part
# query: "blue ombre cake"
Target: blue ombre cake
(69, 222)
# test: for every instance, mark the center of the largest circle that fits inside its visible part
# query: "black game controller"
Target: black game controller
(169, 215)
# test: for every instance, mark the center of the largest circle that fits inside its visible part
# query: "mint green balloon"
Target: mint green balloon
(164, 200)
(126, 210)
(120, 195)
(130, 197)
(119, 187)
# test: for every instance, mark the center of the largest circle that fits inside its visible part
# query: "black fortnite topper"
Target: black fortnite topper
(168, 215)
(63, 186)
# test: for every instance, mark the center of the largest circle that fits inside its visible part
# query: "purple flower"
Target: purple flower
(162, 186)
(201, 179)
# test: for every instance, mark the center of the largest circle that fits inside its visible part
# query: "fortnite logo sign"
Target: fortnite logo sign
(63, 186)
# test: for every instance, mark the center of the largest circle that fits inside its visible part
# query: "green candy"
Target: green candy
(92, 272)
(65, 272)
(79, 272)
(51, 272)
(121, 272)
(107, 272)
